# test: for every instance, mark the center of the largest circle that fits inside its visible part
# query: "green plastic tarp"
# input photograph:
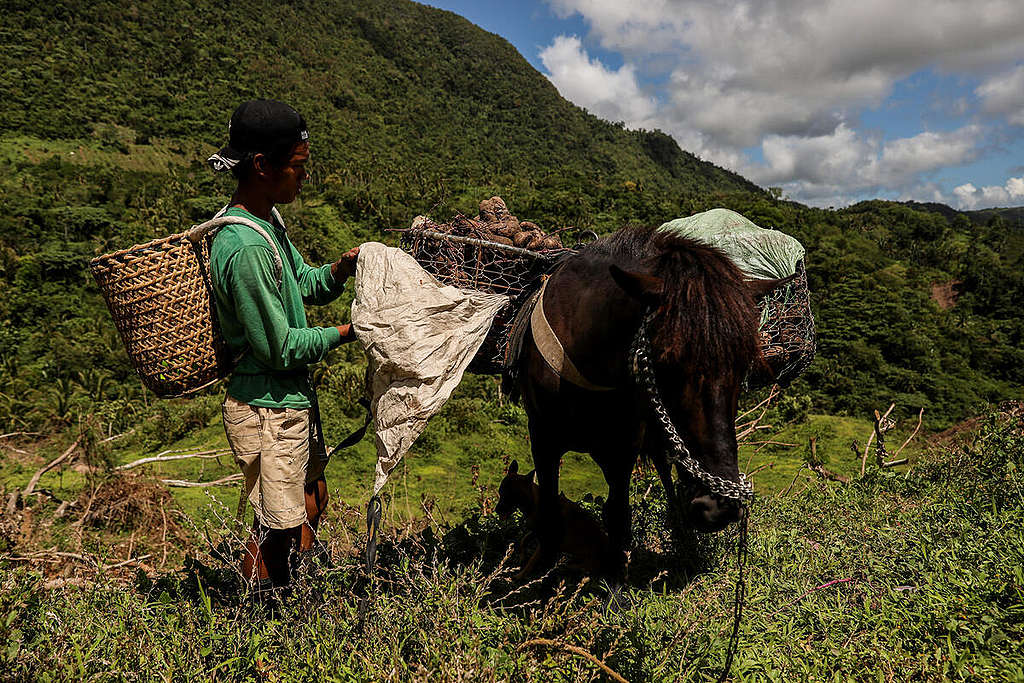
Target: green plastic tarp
(761, 253)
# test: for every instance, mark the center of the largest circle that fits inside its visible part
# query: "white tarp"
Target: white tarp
(420, 336)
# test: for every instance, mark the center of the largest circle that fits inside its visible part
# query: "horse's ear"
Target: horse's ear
(646, 288)
(514, 467)
(761, 288)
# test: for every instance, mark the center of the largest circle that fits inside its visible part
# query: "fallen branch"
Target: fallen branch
(115, 437)
(745, 429)
(27, 491)
(206, 455)
(196, 484)
(13, 434)
(820, 467)
(795, 477)
(51, 556)
(829, 474)
(920, 416)
(894, 463)
(130, 560)
(772, 394)
(545, 642)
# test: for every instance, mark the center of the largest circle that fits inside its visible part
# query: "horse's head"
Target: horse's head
(516, 492)
(703, 331)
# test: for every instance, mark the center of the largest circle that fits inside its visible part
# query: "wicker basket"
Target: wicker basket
(159, 295)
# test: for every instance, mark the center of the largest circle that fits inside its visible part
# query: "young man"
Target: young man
(259, 290)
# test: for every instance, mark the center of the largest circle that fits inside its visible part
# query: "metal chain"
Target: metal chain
(742, 548)
(678, 452)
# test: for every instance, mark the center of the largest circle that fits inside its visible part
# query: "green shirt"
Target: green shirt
(266, 324)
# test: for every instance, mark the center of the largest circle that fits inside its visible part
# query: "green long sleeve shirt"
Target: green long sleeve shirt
(266, 324)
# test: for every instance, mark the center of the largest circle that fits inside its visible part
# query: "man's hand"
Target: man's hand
(347, 333)
(345, 267)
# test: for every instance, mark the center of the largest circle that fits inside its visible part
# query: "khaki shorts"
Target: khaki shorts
(280, 450)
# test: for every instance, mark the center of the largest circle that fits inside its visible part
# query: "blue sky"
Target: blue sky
(834, 101)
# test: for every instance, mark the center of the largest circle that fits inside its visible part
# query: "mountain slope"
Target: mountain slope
(110, 110)
(388, 87)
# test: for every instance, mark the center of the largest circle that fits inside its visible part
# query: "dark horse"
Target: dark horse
(701, 318)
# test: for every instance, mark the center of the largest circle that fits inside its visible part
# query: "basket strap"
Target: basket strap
(197, 232)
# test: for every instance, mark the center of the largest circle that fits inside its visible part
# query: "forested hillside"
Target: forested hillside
(110, 109)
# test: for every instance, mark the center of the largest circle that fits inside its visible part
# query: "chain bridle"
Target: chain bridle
(678, 453)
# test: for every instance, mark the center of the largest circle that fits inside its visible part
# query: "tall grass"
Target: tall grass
(896, 576)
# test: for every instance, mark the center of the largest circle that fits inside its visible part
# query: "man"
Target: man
(260, 284)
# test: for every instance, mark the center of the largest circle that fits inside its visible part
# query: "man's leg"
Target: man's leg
(266, 554)
(280, 495)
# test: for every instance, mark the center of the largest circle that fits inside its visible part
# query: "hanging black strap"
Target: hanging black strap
(356, 436)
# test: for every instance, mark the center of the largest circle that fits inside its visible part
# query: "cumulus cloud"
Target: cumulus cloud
(1003, 95)
(793, 76)
(822, 168)
(968, 196)
(613, 95)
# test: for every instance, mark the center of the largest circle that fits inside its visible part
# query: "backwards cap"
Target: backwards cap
(259, 126)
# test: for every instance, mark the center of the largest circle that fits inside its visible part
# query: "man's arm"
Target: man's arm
(253, 285)
(323, 285)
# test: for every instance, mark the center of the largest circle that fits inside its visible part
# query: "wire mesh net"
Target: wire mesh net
(474, 263)
(787, 331)
(788, 338)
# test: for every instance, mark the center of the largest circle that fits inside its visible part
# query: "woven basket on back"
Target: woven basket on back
(159, 294)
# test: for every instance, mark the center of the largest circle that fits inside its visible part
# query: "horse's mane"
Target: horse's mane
(708, 318)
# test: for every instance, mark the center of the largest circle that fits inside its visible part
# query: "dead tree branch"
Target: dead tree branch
(231, 478)
(920, 417)
(867, 446)
(206, 455)
(27, 491)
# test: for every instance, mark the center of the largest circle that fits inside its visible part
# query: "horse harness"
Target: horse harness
(549, 346)
(551, 349)
(554, 354)
(678, 453)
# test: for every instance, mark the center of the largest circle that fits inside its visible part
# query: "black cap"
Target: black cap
(259, 126)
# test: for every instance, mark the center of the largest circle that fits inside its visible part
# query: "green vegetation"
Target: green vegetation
(413, 110)
(913, 576)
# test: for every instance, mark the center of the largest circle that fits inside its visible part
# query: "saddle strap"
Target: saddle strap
(551, 348)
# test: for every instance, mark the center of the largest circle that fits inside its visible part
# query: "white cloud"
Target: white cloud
(822, 168)
(1003, 95)
(970, 196)
(613, 95)
(793, 76)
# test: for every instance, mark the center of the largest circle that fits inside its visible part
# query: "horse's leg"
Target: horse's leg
(549, 524)
(664, 470)
(617, 467)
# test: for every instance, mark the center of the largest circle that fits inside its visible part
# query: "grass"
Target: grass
(910, 575)
(114, 145)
